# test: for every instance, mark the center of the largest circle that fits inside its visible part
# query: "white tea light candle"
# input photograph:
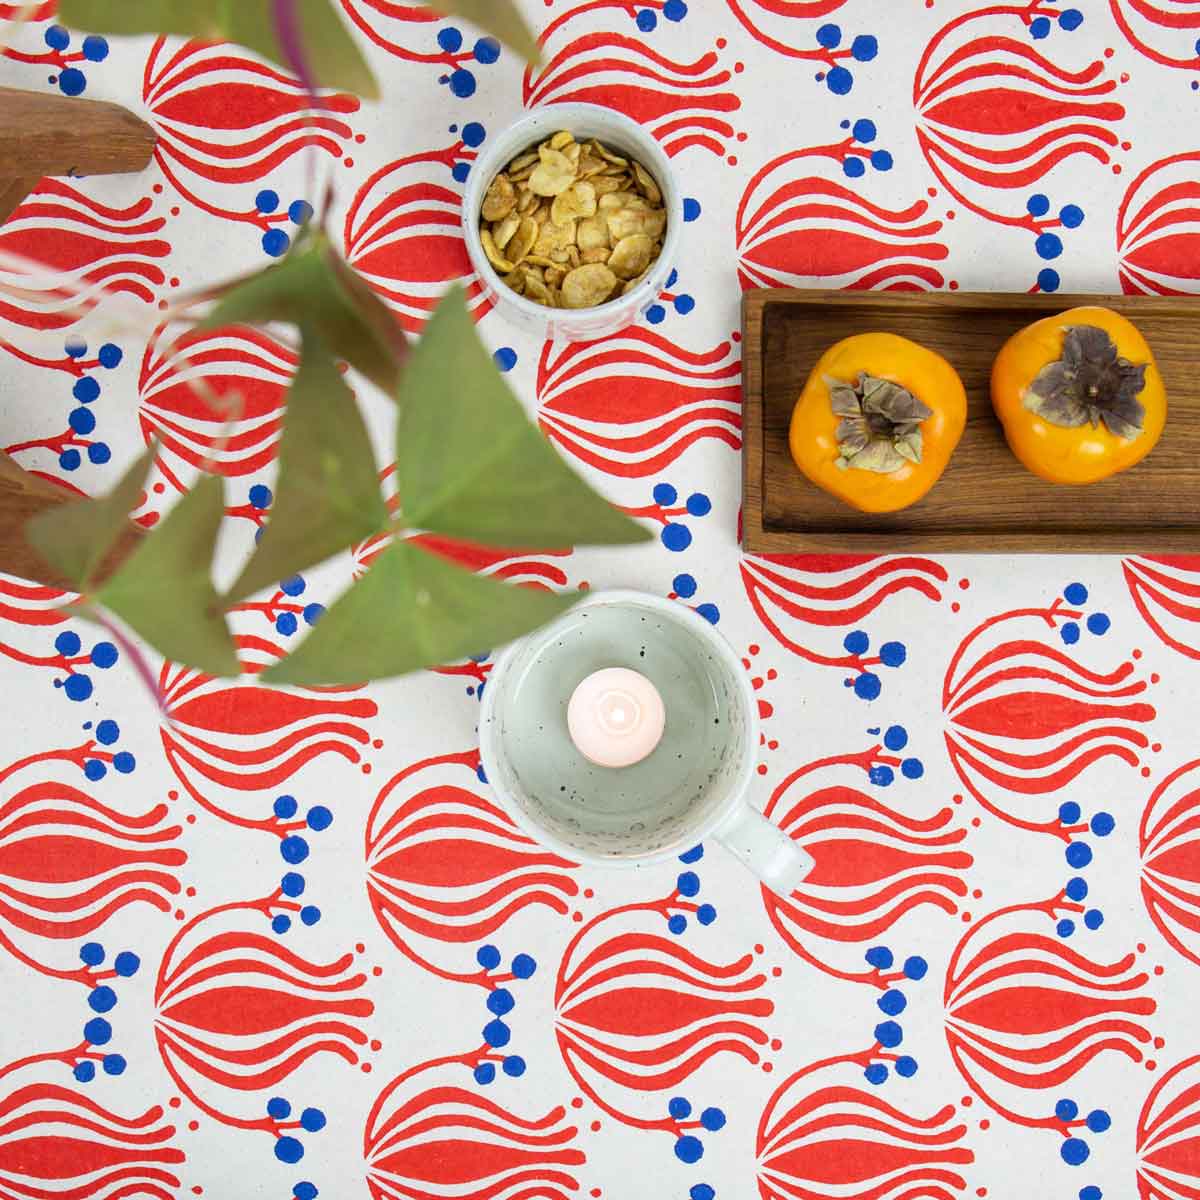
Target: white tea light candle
(616, 717)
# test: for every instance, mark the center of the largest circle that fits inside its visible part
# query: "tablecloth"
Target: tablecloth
(269, 944)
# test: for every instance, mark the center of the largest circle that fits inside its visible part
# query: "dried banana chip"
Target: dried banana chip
(554, 238)
(502, 231)
(604, 184)
(578, 200)
(592, 233)
(526, 203)
(538, 260)
(554, 276)
(522, 241)
(500, 200)
(587, 286)
(523, 161)
(536, 289)
(646, 184)
(562, 139)
(597, 254)
(621, 199)
(493, 255)
(631, 256)
(627, 221)
(589, 165)
(608, 155)
(573, 152)
(573, 256)
(632, 284)
(553, 175)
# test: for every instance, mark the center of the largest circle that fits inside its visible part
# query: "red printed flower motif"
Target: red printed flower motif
(27, 613)
(215, 401)
(637, 1012)
(874, 865)
(823, 1134)
(427, 1134)
(631, 405)
(1165, 31)
(85, 249)
(796, 228)
(238, 1012)
(1168, 1165)
(1170, 844)
(1025, 720)
(1025, 1013)
(1158, 228)
(996, 115)
(1166, 591)
(41, 10)
(447, 869)
(225, 120)
(778, 23)
(682, 104)
(403, 234)
(55, 1142)
(231, 741)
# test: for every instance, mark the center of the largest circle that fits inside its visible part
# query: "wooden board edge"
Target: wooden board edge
(753, 437)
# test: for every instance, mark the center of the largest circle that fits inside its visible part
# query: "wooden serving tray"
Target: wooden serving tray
(985, 501)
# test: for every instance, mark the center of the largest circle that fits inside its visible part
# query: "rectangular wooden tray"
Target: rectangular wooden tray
(985, 501)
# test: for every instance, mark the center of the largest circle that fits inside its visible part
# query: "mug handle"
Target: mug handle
(770, 853)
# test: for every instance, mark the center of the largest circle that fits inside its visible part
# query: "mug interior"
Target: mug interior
(654, 808)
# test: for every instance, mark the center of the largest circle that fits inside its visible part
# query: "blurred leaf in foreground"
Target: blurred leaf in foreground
(501, 18)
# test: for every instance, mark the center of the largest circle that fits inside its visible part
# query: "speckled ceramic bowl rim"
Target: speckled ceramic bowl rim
(492, 753)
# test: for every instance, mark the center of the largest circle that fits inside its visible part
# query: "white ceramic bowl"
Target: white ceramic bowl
(619, 133)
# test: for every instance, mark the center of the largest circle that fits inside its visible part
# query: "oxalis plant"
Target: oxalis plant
(469, 464)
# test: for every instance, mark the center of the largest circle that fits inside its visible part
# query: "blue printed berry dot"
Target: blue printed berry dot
(712, 1119)
(679, 1107)
(496, 1033)
(1077, 889)
(906, 1066)
(854, 167)
(912, 768)
(500, 1002)
(305, 1191)
(1039, 27)
(124, 762)
(319, 818)
(292, 885)
(102, 999)
(1065, 928)
(1098, 623)
(673, 278)
(126, 964)
(95, 48)
(70, 459)
(72, 82)
(461, 171)
(313, 613)
(879, 957)
(677, 924)
(702, 1191)
(689, 1149)
(1079, 854)
(1038, 204)
(57, 38)
(67, 643)
(664, 494)
(98, 1032)
(77, 687)
(691, 209)
(294, 849)
(656, 314)
(110, 356)
(99, 453)
(85, 390)
(675, 10)
(312, 1120)
(882, 160)
(310, 914)
(881, 776)
(1048, 245)
(876, 1073)
(104, 655)
(1093, 918)
(523, 966)
(829, 36)
(867, 686)
(1074, 1151)
(1070, 19)
(895, 737)
(864, 130)
(488, 957)
(485, 1073)
(694, 855)
(288, 1150)
(85, 1071)
(82, 420)
(857, 642)
(684, 586)
(698, 504)
(1098, 1120)
(260, 496)
(450, 39)
(706, 914)
(915, 967)
(1071, 215)
(1091, 1193)
(1103, 824)
(505, 358)
(462, 83)
(893, 1002)
(300, 212)
(1069, 633)
(647, 20)
(285, 807)
(107, 732)
(266, 201)
(889, 1034)
(1075, 593)
(281, 923)
(1048, 279)
(114, 1064)
(514, 1066)
(839, 81)
(1066, 1110)
(278, 1108)
(676, 537)
(75, 346)
(275, 243)
(688, 883)
(95, 770)
(1068, 812)
(864, 48)
(710, 612)
(473, 134)
(893, 654)
(91, 954)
